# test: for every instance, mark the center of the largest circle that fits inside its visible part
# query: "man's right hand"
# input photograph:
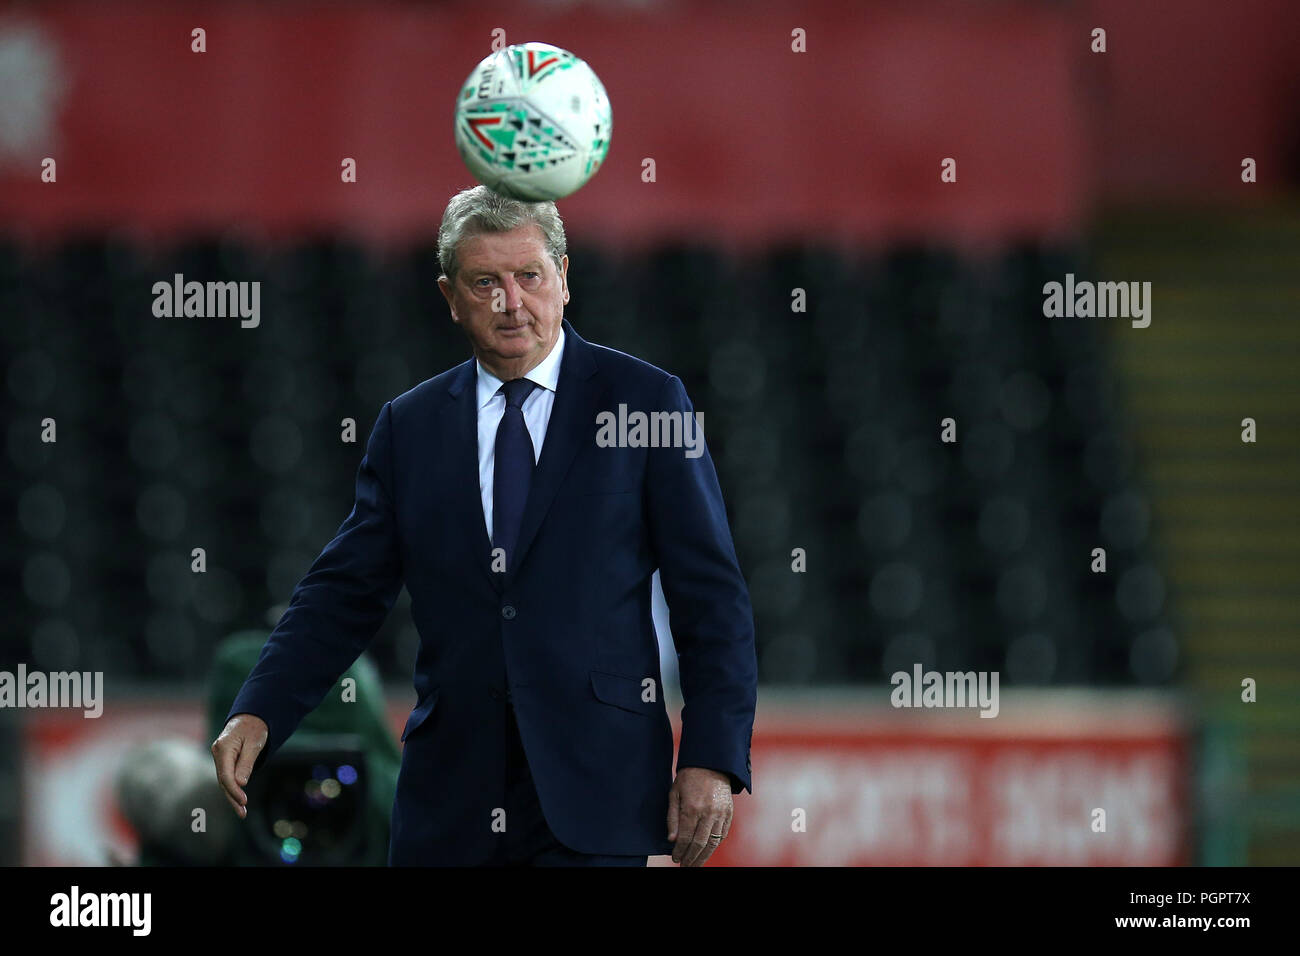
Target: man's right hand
(234, 753)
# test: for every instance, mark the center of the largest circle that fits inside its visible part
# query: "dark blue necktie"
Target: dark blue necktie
(512, 469)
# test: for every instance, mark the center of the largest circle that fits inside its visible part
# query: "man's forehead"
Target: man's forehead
(495, 248)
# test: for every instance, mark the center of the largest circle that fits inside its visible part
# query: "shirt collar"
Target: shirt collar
(546, 373)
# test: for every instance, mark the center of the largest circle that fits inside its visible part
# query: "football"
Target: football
(533, 122)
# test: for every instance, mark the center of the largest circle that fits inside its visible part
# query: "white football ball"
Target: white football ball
(533, 122)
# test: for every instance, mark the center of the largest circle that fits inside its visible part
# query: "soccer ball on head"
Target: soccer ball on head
(533, 122)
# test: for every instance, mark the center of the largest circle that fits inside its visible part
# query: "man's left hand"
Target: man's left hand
(699, 814)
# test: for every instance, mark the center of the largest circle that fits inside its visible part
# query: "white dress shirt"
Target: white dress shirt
(537, 415)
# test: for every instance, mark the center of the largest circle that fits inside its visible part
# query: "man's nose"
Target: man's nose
(514, 298)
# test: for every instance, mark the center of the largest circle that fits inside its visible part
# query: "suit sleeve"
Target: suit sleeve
(711, 617)
(337, 607)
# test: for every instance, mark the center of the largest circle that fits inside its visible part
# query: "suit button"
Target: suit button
(508, 612)
(496, 694)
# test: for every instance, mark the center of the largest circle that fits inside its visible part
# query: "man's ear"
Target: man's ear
(564, 277)
(444, 286)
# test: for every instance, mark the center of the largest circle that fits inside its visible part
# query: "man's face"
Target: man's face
(509, 298)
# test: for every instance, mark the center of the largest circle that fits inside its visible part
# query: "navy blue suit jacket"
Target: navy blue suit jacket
(566, 634)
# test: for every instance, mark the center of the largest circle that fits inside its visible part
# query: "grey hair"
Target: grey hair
(472, 212)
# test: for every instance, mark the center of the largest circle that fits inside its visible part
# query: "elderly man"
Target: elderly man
(539, 736)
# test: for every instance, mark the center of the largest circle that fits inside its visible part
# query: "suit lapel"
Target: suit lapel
(461, 416)
(573, 419)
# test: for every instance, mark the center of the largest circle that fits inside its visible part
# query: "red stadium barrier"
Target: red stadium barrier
(876, 786)
(841, 142)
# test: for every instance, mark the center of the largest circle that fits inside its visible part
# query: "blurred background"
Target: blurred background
(776, 171)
